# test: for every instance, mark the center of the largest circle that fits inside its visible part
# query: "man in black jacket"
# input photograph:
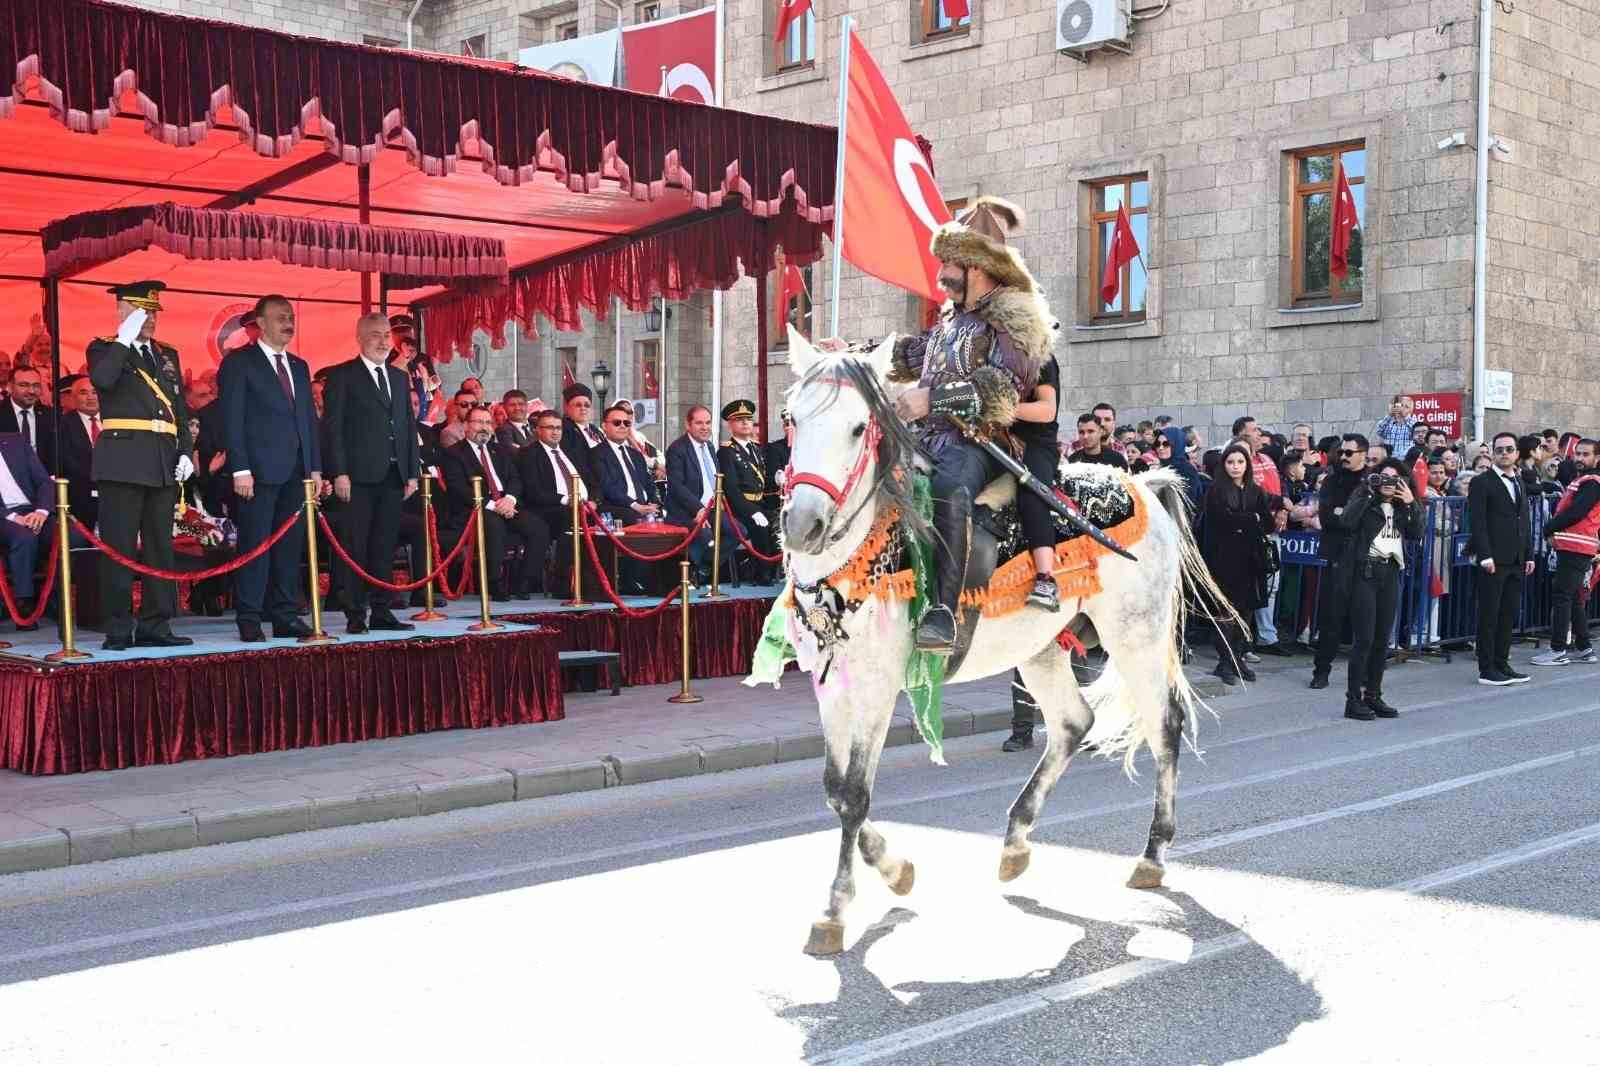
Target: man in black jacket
(1574, 531)
(1331, 501)
(1502, 546)
(21, 412)
(372, 457)
(504, 518)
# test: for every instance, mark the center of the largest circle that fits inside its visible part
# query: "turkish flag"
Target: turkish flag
(1124, 249)
(674, 57)
(794, 285)
(1344, 222)
(957, 9)
(568, 378)
(788, 12)
(890, 198)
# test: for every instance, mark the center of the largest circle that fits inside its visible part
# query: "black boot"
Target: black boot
(1377, 706)
(952, 520)
(1019, 740)
(1355, 708)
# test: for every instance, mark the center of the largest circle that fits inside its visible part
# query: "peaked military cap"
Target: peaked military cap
(738, 409)
(145, 294)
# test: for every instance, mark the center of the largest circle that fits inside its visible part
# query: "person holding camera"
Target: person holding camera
(1380, 516)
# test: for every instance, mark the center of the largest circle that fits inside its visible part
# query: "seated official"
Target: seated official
(691, 484)
(79, 431)
(546, 471)
(505, 521)
(627, 490)
(27, 495)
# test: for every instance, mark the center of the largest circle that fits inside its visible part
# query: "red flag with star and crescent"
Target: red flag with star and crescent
(1124, 250)
(1344, 223)
(890, 198)
(794, 286)
(788, 12)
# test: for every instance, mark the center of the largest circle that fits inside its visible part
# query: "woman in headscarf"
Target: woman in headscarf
(1171, 452)
(1238, 518)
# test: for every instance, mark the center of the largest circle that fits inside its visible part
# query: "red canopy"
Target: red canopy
(205, 115)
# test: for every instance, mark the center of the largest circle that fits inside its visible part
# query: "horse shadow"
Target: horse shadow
(1187, 1013)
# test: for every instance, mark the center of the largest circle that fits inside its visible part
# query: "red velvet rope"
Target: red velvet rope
(409, 586)
(199, 575)
(605, 583)
(751, 548)
(466, 565)
(590, 511)
(45, 588)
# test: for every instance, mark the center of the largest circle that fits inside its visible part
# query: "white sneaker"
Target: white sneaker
(1585, 656)
(1250, 657)
(1551, 658)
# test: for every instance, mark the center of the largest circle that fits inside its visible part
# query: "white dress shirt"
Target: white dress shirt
(485, 459)
(375, 371)
(708, 470)
(33, 422)
(11, 493)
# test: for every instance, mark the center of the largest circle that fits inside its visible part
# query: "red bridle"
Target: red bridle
(869, 447)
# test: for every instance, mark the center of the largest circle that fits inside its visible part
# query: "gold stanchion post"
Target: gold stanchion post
(577, 544)
(715, 592)
(684, 695)
(483, 624)
(427, 614)
(316, 636)
(69, 649)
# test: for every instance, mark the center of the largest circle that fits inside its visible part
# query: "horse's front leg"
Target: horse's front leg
(854, 725)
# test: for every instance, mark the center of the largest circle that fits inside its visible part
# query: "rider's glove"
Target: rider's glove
(959, 398)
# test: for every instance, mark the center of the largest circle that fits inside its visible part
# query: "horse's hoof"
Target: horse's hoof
(900, 884)
(1146, 875)
(1013, 864)
(827, 938)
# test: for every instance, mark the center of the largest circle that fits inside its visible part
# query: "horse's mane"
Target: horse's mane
(896, 450)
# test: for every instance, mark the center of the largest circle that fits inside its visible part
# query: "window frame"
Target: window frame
(562, 29)
(462, 48)
(929, 308)
(1336, 295)
(806, 27)
(932, 31)
(777, 336)
(642, 12)
(1098, 316)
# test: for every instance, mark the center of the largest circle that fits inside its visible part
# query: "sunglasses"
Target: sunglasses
(1163, 444)
(1347, 454)
(1505, 449)
(619, 421)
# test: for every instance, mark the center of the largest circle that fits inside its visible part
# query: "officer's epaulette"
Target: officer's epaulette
(112, 337)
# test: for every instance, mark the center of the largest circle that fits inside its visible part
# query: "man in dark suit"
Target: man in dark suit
(79, 431)
(744, 483)
(578, 435)
(546, 474)
(776, 453)
(28, 495)
(627, 491)
(271, 432)
(22, 413)
(1502, 545)
(140, 459)
(505, 520)
(372, 457)
(691, 483)
(411, 518)
(517, 433)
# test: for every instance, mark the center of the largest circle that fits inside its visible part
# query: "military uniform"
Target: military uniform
(144, 431)
(744, 485)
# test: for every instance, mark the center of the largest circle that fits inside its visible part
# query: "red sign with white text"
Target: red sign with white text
(674, 57)
(1441, 410)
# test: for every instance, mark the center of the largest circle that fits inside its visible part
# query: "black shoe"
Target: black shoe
(355, 624)
(1493, 677)
(1045, 594)
(160, 639)
(295, 629)
(1319, 679)
(499, 595)
(522, 594)
(1247, 673)
(1375, 704)
(1279, 649)
(250, 633)
(1018, 741)
(1511, 675)
(937, 633)
(1354, 708)
(1226, 673)
(115, 643)
(419, 598)
(388, 623)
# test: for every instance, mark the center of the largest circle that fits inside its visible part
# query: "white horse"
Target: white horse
(849, 448)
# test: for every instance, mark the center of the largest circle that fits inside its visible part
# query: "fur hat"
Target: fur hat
(977, 238)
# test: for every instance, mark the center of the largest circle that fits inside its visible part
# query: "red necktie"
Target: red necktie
(488, 471)
(283, 377)
(94, 428)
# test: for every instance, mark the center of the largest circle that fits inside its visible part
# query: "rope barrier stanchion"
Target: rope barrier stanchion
(751, 548)
(484, 624)
(427, 614)
(684, 694)
(317, 635)
(715, 592)
(577, 544)
(69, 650)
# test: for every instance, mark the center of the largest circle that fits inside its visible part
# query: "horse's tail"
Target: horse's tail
(1120, 728)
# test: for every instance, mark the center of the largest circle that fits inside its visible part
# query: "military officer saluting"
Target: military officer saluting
(141, 458)
(744, 480)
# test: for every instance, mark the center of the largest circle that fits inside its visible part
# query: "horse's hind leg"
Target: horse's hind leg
(1164, 745)
(1049, 679)
(899, 874)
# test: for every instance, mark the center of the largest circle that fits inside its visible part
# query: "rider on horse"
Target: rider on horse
(981, 357)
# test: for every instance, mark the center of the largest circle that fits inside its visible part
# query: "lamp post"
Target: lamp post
(601, 374)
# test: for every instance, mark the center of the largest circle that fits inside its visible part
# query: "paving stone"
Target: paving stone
(249, 823)
(99, 844)
(44, 851)
(800, 746)
(992, 720)
(439, 796)
(378, 806)
(534, 782)
(738, 756)
(165, 834)
(639, 769)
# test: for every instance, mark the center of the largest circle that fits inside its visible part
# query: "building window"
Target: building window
(476, 47)
(567, 31)
(647, 375)
(799, 46)
(937, 21)
(646, 12)
(1106, 196)
(787, 307)
(567, 360)
(1312, 175)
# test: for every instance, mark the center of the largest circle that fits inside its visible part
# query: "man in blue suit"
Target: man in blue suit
(271, 431)
(691, 482)
(27, 494)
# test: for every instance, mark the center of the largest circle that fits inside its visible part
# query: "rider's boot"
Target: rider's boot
(952, 524)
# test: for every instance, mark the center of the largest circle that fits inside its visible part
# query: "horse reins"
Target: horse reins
(869, 447)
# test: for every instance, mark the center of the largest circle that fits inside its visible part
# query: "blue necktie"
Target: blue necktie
(706, 470)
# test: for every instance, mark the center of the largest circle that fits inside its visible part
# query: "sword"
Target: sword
(1025, 477)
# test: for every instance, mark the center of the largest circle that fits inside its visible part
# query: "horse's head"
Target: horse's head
(841, 419)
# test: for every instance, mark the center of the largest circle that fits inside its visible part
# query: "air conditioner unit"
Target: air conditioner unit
(1085, 26)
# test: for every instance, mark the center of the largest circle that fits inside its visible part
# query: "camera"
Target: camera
(1378, 481)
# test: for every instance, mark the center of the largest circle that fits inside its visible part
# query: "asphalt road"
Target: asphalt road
(1417, 891)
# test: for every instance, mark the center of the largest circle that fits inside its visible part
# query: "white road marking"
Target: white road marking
(389, 892)
(917, 1036)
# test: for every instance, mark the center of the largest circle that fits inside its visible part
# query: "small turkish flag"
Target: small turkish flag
(794, 285)
(957, 9)
(892, 203)
(568, 378)
(1344, 222)
(1124, 249)
(788, 12)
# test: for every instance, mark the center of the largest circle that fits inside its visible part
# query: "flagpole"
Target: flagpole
(838, 177)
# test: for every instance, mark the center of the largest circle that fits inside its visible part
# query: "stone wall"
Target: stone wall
(349, 20)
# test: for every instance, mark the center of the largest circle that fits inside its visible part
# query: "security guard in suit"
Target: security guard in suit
(141, 458)
(744, 482)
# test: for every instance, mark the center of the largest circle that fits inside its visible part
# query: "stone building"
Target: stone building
(1220, 130)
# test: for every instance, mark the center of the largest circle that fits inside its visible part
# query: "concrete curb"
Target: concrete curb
(73, 847)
